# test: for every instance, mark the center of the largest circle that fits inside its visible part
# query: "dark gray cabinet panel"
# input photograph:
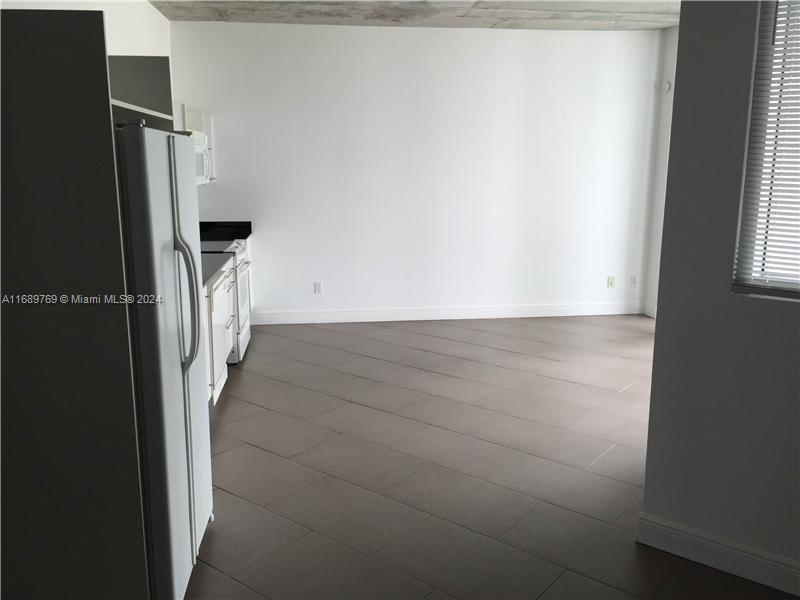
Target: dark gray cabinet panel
(141, 80)
(71, 494)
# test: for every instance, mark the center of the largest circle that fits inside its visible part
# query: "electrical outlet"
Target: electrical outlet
(317, 287)
(611, 281)
(634, 280)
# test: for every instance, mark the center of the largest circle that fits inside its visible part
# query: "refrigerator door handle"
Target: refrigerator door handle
(182, 247)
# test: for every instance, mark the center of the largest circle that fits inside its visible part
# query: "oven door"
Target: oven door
(243, 311)
(243, 292)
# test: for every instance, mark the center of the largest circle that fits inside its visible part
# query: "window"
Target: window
(768, 247)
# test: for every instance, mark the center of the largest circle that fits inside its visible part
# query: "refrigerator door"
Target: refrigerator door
(196, 384)
(159, 272)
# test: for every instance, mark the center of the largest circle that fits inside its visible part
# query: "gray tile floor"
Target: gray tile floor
(498, 458)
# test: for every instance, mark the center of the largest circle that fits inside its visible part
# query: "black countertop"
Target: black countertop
(215, 238)
(221, 231)
(212, 263)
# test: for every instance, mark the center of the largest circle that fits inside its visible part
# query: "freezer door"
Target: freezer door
(171, 415)
(188, 219)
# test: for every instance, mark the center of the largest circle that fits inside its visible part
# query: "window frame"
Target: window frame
(752, 288)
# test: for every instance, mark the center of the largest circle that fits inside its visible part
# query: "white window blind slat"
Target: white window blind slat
(767, 259)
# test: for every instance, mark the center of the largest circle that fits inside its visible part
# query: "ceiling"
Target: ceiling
(522, 14)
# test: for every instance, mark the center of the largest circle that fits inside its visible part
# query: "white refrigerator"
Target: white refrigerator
(161, 237)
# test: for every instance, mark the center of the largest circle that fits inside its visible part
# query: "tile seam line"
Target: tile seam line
(270, 553)
(487, 481)
(506, 320)
(451, 324)
(285, 382)
(434, 337)
(321, 327)
(554, 379)
(324, 475)
(336, 434)
(451, 339)
(628, 336)
(312, 531)
(600, 335)
(383, 495)
(480, 362)
(601, 456)
(210, 566)
(382, 492)
(597, 336)
(475, 437)
(348, 348)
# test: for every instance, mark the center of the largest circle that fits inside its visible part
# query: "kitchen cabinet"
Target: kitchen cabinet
(221, 314)
(232, 238)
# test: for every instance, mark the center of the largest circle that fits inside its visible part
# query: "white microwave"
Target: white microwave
(202, 158)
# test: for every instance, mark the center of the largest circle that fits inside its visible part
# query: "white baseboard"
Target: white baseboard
(779, 572)
(649, 308)
(443, 312)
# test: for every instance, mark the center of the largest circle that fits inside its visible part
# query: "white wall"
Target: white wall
(135, 28)
(424, 173)
(660, 157)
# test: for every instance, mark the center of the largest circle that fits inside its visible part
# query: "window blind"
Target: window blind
(768, 245)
